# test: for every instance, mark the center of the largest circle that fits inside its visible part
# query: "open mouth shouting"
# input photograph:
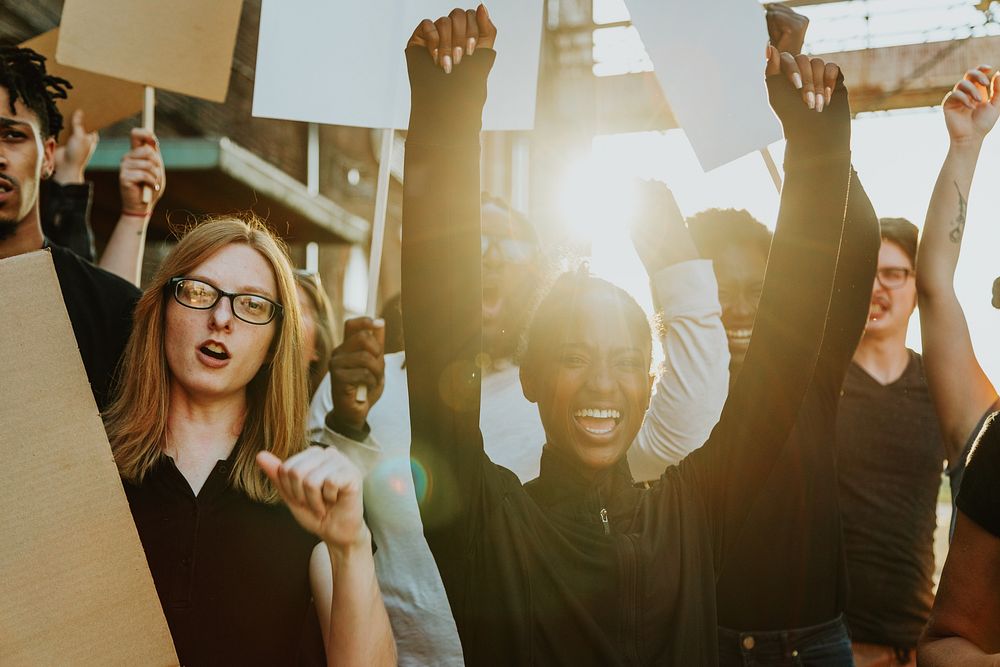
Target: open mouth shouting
(492, 302)
(877, 309)
(213, 354)
(597, 421)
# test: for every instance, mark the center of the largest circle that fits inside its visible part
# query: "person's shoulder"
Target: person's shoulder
(915, 369)
(979, 496)
(71, 266)
(988, 441)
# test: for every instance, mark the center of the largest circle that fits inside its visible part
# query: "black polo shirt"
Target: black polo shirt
(232, 574)
(100, 306)
(979, 498)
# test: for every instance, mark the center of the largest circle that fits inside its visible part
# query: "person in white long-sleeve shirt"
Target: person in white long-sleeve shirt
(691, 388)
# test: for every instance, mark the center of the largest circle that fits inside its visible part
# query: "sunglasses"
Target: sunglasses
(514, 251)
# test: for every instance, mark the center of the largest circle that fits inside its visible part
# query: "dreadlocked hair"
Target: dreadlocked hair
(22, 73)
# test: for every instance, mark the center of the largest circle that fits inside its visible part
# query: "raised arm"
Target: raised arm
(961, 391)
(441, 272)
(792, 316)
(856, 265)
(694, 379)
(142, 167)
(65, 198)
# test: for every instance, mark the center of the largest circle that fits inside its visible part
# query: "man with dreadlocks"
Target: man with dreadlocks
(99, 304)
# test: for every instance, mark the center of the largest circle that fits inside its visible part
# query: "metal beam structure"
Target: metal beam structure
(895, 77)
(912, 75)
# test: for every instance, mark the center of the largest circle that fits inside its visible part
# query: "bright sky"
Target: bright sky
(897, 156)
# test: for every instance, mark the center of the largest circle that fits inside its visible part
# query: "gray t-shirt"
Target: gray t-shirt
(890, 457)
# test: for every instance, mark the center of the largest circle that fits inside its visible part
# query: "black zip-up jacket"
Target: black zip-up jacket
(567, 570)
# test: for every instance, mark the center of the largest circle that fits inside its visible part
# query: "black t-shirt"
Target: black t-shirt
(100, 306)
(890, 458)
(979, 498)
(232, 574)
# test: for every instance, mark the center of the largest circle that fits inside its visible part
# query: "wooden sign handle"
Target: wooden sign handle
(378, 235)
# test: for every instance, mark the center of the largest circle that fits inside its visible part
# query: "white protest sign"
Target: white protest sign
(342, 63)
(709, 58)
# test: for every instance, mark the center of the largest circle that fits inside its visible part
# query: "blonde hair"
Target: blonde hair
(325, 335)
(136, 421)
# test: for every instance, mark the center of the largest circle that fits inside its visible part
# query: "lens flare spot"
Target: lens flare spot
(421, 481)
(397, 485)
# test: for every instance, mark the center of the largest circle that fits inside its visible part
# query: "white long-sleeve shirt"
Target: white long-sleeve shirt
(687, 401)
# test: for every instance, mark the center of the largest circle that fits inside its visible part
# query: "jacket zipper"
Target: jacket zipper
(630, 599)
(604, 520)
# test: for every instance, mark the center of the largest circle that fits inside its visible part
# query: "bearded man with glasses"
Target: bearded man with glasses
(890, 455)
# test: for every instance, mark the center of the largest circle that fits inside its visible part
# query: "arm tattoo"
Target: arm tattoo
(959, 229)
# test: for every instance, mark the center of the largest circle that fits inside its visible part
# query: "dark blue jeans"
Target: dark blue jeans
(824, 645)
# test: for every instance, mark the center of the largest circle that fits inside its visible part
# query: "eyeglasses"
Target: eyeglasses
(197, 294)
(515, 251)
(893, 277)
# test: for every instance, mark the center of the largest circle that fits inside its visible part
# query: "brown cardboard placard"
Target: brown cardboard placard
(105, 100)
(183, 45)
(75, 587)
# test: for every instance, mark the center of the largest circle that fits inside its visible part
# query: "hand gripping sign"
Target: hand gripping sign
(185, 46)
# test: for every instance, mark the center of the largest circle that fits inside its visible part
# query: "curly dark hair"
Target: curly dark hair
(716, 229)
(22, 73)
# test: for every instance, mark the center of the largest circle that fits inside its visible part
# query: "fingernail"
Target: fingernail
(435, 56)
(378, 323)
(829, 93)
(470, 48)
(446, 64)
(797, 80)
(457, 51)
(820, 103)
(811, 100)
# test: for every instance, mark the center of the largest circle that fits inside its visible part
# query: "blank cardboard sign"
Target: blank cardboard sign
(183, 45)
(104, 100)
(709, 59)
(342, 62)
(75, 588)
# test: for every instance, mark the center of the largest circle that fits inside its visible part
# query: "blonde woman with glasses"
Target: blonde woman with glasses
(208, 433)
